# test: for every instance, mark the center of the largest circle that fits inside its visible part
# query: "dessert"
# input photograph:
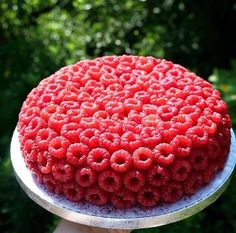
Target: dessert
(124, 130)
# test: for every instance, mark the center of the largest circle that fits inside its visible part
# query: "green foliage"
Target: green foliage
(38, 37)
(225, 82)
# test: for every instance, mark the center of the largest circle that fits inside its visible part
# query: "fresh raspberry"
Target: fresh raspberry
(163, 154)
(51, 184)
(45, 162)
(101, 114)
(89, 107)
(180, 170)
(158, 176)
(56, 121)
(198, 135)
(142, 96)
(62, 172)
(109, 141)
(98, 159)
(148, 196)
(131, 104)
(193, 111)
(150, 120)
(149, 109)
(196, 101)
(172, 192)
(73, 192)
(182, 123)
(167, 112)
(199, 159)
(209, 125)
(123, 199)
(182, 146)
(89, 122)
(90, 137)
(96, 196)
(134, 180)
(57, 147)
(71, 131)
(77, 154)
(110, 181)
(193, 183)
(121, 161)
(85, 177)
(113, 107)
(213, 148)
(130, 141)
(143, 158)
(44, 136)
(33, 127)
(167, 131)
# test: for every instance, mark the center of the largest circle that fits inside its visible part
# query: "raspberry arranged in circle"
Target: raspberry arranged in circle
(124, 130)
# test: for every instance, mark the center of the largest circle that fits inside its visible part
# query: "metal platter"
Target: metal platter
(110, 217)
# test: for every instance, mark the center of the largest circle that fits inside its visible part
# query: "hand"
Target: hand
(69, 227)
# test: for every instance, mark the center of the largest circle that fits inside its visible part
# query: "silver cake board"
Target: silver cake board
(112, 218)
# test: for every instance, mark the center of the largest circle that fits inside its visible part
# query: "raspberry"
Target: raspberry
(109, 181)
(158, 176)
(193, 183)
(213, 148)
(209, 126)
(193, 111)
(43, 137)
(142, 96)
(182, 123)
(85, 177)
(98, 159)
(142, 158)
(73, 192)
(90, 137)
(89, 122)
(96, 196)
(167, 112)
(45, 162)
(113, 107)
(51, 184)
(34, 126)
(196, 101)
(48, 111)
(109, 141)
(56, 122)
(121, 161)
(148, 197)
(101, 114)
(57, 147)
(62, 172)
(163, 154)
(198, 135)
(123, 199)
(71, 131)
(130, 141)
(134, 180)
(180, 170)
(182, 146)
(131, 104)
(199, 159)
(77, 154)
(89, 107)
(172, 192)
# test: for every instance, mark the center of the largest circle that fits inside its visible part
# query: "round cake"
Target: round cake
(125, 131)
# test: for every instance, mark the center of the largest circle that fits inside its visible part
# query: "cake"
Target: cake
(125, 131)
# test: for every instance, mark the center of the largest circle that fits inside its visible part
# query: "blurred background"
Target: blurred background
(37, 37)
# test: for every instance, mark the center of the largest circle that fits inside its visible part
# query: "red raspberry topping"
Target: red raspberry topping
(123, 199)
(109, 181)
(86, 177)
(143, 158)
(121, 161)
(96, 196)
(98, 159)
(148, 196)
(134, 180)
(124, 130)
